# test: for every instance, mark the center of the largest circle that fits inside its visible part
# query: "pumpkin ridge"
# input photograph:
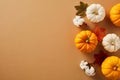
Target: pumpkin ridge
(83, 35)
(79, 35)
(79, 40)
(117, 64)
(109, 75)
(94, 42)
(83, 48)
(114, 11)
(115, 20)
(105, 65)
(93, 36)
(79, 46)
(116, 59)
(108, 72)
(91, 47)
(88, 34)
(109, 68)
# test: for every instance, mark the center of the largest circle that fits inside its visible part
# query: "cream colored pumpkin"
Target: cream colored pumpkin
(111, 42)
(95, 13)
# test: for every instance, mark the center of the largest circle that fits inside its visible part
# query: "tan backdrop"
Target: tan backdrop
(37, 40)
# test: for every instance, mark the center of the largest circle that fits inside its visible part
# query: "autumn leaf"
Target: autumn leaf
(81, 9)
(99, 57)
(100, 32)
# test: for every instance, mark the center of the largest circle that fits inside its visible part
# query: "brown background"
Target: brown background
(37, 40)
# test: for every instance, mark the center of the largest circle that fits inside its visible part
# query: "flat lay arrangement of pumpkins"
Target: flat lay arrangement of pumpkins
(87, 40)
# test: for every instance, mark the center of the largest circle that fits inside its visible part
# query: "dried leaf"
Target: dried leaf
(99, 57)
(81, 9)
(100, 33)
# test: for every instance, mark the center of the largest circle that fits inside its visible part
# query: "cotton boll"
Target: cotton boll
(83, 65)
(78, 21)
(90, 71)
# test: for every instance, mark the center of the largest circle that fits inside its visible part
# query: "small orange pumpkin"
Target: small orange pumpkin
(111, 67)
(115, 14)
(86, 41)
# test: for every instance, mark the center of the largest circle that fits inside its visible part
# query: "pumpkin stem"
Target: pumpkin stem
(87, 41)
(112, 43)
(95, 12)
(115, 68)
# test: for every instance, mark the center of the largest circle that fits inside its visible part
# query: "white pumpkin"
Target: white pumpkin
(111, 42)
(95, 13)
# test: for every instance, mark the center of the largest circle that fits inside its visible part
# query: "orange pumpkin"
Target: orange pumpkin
(86, 41)
(115, 14)
(111, 67)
